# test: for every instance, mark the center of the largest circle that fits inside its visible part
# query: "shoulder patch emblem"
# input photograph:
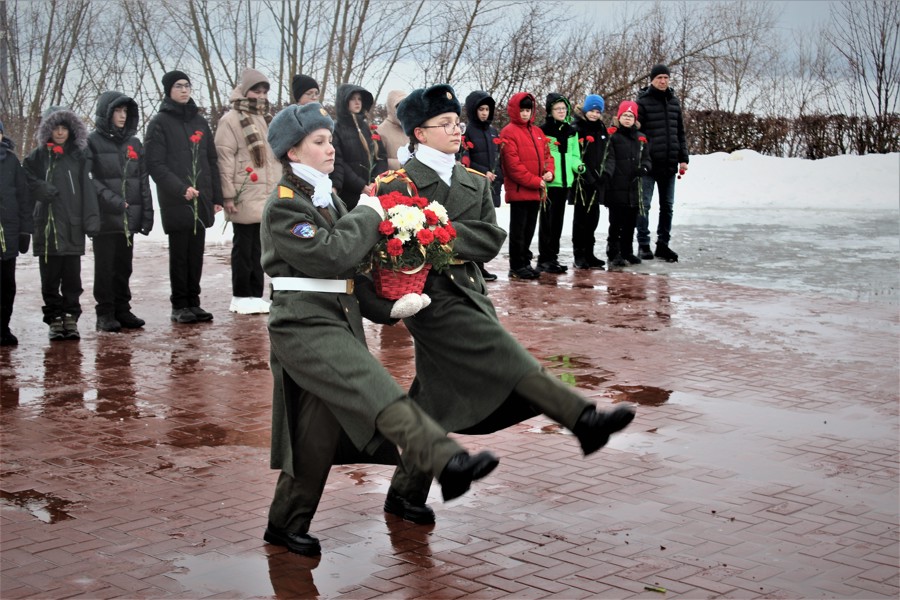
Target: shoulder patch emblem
(304, 230)
(285, 192)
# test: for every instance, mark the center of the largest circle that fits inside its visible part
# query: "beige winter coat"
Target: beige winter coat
(234, 158)
(391, 131)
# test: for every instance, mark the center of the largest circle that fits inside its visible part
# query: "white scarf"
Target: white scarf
(440, 162)
(321, 197)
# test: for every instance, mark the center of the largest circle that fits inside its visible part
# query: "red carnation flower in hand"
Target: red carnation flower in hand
(394, 247)
(425, 236)
(373, 127)
(442, 235)
(450, 229)
(470, 145)
(376, 137)
(195, 139)
(611, 130)
(589, 138)
(254, 177)
(131, 155)
(385, 228)
(249, 169)
(498, 141)
(420, 202)
(430, 217)
(580, 140)
(642, 140)
(50, 145)
(58, 150)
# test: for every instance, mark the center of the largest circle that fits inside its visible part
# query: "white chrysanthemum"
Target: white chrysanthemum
(441, 212)
(407, 218)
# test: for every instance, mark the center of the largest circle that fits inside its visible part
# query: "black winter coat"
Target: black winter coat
(69, 194)
(627, 160)
(358, 158)
(591, 182)
(15, 201)
(169, 162)
(109, 150)
(483, 153)
(662, 121)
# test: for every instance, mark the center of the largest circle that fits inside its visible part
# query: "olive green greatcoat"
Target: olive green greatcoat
(316, 339)
(467, 363)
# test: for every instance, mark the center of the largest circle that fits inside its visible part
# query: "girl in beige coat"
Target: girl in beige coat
(249, 173)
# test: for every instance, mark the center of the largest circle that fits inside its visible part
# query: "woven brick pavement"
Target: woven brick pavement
(762, 463)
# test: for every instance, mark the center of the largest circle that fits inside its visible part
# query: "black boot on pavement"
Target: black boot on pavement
(298, 543)
(108, 323)
(462, 469)
(595, 426)
(644, 252)
(407, 509)
(664, 252)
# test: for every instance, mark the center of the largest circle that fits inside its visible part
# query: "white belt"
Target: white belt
(308, 284)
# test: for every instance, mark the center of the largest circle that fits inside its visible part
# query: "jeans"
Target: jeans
(666, 207)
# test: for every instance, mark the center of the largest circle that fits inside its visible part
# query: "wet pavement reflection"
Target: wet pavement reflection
(762, 462)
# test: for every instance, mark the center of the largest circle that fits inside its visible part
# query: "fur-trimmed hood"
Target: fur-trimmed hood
(54, 116)
(473, 101)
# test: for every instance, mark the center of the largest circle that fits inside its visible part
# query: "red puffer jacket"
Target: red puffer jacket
(524, 154)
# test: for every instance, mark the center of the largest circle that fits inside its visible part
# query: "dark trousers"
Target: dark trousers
(60, 286)
(666, 186)
(246, 268)
(112, 272)
(585, 221)
(622, 221)
(523, 216)
(552, 214)
(186, 267)
(7, 291)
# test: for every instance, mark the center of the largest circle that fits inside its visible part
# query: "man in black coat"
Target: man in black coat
(662, 122)
(16, 224)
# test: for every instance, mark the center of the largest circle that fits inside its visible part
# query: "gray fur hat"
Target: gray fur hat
(57, 115)
(422, 104)
(293, 123)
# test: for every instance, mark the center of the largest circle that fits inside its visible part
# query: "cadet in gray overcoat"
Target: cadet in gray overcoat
(333, 401)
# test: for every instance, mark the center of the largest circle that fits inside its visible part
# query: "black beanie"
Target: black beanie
(170, 78)
(300, 84)
(658, 70)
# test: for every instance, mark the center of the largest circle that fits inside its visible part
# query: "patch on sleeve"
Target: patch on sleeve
(285, 192)
(304, 230)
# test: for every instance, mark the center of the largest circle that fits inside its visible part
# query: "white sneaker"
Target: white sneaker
(241, 306)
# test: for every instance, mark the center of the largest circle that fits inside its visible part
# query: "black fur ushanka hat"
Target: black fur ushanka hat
(422, 104)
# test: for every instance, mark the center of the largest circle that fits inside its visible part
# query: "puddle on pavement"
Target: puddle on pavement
(208, 434)
(45, 507)
(640, 394)
(282, 574)
(560, 365)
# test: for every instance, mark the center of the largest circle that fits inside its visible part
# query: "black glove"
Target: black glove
(24, 242)
(52, 193)
(145, 231)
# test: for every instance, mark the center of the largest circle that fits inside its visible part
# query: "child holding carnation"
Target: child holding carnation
(588, 194)
(59, 175)
(126, 207)
(627, 161)
(527, 169)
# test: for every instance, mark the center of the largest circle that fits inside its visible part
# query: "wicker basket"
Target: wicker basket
(393, 285)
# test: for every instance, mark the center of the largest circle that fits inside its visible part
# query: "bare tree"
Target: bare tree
(866, 35)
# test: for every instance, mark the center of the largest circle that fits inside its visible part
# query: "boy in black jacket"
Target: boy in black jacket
(126, 207)
(588, 193)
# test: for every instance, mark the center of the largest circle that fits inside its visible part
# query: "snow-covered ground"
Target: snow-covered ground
(830, 225)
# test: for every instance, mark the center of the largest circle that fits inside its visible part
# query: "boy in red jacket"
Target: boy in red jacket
(527, 167)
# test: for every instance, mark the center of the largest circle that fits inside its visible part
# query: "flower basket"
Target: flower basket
(393, 285)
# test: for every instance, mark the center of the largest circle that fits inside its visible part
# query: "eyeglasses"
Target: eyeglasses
(182, 86)
(449, 128)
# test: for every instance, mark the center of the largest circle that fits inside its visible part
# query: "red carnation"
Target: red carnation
(425, 236)
(254, 177)
(441, 235)
(642, 140)
(498, 141)
(589, 138)
(249, 169)
(387, 202)
(555, 143)
(580, 140)
(131, 155)
(376, 137)
(50, 145)
(430, 217)
(450, 229)
(373, 127)
(470, 145)
(394, 247)
(420, 202)
(195, 139)
(198, 133)
(385, 228)
(58, 150)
